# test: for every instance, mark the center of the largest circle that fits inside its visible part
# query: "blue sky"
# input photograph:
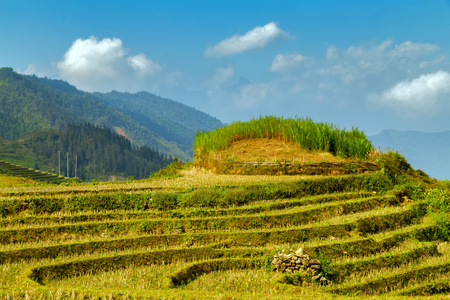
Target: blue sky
(370, 64)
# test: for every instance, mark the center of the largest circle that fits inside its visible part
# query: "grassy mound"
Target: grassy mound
(304, 132)
(278, 146)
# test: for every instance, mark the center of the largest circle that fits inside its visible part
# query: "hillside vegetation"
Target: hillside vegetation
(173, 121)
(84, 151)
(96, 152)
(190, 233)
(29, 104)
(274, 145)
(303, 131)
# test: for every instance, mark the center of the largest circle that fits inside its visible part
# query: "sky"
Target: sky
(374, 65)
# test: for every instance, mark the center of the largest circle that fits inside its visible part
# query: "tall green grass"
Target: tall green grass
(303, 131)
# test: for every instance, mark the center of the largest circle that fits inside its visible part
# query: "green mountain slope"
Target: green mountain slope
(93, 152)
(171, 120)
(84, 151)
(29, 104)
(16, 153)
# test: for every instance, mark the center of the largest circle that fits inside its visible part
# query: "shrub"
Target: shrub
(438, 201)
(412, 190)
(326, 265)
(164, 201)
(170, 171)
(394, 165)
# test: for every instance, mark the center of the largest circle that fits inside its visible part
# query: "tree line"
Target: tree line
(94, 152)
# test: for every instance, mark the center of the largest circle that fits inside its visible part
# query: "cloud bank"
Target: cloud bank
(416, 96)
(258, 37)
(371, 80)
(285, 62)
(93, 64)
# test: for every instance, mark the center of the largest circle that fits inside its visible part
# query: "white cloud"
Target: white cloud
(242, 96)
(92, 58)
(417, 94)
(352, 81)
(31, 70)
(284, 62)
(387, 55)
(251, 95)
(258, 37)
(221, 75)
(143, 65)
(341, 81)
(103, 65)
(373, 67)
(332, 53)
(410, 49)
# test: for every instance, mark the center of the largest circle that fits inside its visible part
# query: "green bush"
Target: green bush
(438, 201)
(164, 201)
(292, 279)
(412, 190)
(170, 171)
(394, 165)
(326, 265)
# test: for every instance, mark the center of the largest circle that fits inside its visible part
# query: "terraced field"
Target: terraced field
(164, 239)
(16, 170)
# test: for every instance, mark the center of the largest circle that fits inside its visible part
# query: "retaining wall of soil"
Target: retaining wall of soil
(286, 168)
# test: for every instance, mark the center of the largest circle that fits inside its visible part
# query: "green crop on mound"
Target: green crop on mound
(303, 131)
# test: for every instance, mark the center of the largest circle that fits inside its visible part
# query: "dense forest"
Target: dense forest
(29, 104)
(93, 151)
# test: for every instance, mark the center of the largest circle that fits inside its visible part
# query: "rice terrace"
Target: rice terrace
(272, 208)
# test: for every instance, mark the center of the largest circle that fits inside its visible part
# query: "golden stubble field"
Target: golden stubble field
(142, 252)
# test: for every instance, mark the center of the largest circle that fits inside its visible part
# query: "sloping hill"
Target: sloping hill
(92, 152)
(15, 152)
(16, 170)
(173, 121)
(28, 104)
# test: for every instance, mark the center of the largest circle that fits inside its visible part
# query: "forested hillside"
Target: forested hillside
(93, 152)
(171, 120)
(29, 104)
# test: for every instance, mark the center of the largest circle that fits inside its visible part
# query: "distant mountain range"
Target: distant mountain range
(425, 151)
(30, 104)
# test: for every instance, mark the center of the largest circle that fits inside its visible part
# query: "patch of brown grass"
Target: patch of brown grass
(271, 150)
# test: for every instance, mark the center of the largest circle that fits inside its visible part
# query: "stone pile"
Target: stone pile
(294, 262)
